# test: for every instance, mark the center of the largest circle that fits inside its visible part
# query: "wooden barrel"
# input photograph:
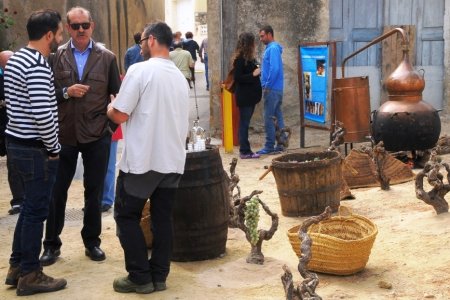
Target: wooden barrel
(308, 182)
(201, 208)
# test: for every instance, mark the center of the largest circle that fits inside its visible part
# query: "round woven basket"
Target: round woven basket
(341, 245)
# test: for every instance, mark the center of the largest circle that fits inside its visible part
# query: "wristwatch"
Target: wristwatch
(65, 94)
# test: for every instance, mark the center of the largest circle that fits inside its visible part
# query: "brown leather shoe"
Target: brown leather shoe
(12, 278)
(37, 282)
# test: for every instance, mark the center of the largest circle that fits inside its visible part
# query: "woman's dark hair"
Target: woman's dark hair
(161, 32)
(245, 47)
(42, 21)
(189, 35)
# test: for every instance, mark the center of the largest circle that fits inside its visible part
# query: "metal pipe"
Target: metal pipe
(375, 41)
(222, 59)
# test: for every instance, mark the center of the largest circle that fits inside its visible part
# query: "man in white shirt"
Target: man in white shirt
(153, 104)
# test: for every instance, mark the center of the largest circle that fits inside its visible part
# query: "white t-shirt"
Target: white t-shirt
(155, 95)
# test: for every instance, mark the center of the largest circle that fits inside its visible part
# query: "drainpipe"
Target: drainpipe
(221, 40)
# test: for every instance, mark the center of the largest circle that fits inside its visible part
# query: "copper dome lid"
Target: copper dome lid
(405, 81)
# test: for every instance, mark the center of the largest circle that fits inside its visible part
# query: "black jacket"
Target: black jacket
(192, 47)
(248, 87)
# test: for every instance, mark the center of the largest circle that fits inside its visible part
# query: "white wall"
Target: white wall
(180, 16)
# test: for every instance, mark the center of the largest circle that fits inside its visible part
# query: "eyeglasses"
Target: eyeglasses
(144, 39)
(76, 26)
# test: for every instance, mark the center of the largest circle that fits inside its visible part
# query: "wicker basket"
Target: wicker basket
(341, 245)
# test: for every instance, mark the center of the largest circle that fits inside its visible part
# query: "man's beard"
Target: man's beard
(53, 45)
(146, 54)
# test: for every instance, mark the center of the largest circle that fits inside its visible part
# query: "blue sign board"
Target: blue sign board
(314, 60)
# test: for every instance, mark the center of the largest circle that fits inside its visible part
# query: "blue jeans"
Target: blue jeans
(245, 115)
(110, 179)
(272, 107)
(38, 174)
(205, 61)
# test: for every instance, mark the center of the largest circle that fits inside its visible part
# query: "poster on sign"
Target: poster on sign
(314, 68)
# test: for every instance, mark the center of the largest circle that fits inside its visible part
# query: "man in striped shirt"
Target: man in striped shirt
(33, 147)
(15, 184)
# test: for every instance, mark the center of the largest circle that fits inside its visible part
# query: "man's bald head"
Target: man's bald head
(4, 56)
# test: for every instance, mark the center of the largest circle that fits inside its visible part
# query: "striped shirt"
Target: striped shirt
(30, 100)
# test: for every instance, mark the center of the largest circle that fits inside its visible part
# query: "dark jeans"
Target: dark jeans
(128, 213)
(192, 72)
(95, 162)
(15, 184)
(38, 174)
(245, 115)
(205, 61)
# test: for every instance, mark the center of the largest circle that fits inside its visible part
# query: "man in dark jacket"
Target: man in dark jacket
(133, 54)
(86, 74)
(190, 45)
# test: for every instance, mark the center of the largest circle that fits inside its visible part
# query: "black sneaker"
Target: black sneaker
(106, 207)
(160, 286)
(15, 209)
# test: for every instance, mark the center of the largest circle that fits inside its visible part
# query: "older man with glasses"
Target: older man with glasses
(86, 75)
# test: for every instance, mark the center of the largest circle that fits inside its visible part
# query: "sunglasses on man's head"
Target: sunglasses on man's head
(76, 26)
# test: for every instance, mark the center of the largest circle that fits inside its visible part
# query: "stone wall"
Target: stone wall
(222, 35)
(115, 21)
(292, 21)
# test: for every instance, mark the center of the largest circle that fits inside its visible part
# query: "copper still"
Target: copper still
(405, 121)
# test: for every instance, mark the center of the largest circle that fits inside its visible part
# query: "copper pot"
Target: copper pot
(405, 121)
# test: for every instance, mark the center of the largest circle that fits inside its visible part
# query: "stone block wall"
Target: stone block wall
(292, 21)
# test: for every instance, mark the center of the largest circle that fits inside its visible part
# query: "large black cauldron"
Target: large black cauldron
(402, 130)
(405, 122)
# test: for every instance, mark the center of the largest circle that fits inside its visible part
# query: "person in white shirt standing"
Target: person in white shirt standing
(153, 105)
